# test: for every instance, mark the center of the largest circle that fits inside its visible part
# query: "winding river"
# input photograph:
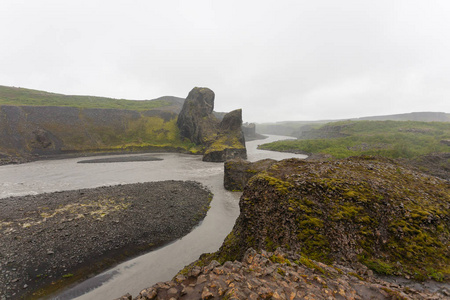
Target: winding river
(160, 265)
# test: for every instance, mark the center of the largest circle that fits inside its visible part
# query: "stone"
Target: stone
(196, 121)
(206, 294)
(222, 140)
(229, 142)
(125, 297)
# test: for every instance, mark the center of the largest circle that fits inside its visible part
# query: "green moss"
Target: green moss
(280, 259)
(279, 185)
(379, 266)
(310, 264)
(357, 276)
(281, 272)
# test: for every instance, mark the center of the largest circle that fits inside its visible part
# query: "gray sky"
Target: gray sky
(277, 60)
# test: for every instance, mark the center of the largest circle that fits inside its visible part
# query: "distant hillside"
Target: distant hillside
(394, 139)
(414, 116)
(296, 128)
(27, 97)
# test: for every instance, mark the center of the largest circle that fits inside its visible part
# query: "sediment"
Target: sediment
(51, 240)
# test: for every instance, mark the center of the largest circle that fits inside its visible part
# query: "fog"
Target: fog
(278, 60)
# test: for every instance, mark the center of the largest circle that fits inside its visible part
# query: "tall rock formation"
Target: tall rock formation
(196, 120)
(222, 140)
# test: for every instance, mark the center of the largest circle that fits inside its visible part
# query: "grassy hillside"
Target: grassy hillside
(21, 96)
(394, 139)
(298, 128)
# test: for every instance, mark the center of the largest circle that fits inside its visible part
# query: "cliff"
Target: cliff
(27, 131)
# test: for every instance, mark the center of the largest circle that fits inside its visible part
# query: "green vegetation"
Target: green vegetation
(393, 139)
(20, 96)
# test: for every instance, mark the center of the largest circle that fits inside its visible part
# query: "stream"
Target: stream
(162, 264)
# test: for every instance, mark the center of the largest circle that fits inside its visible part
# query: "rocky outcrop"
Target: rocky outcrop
(196, 120)
(238, 172)
(360, 211)
(222, 140)
(250, 134)
(229, 142)
(279, 275)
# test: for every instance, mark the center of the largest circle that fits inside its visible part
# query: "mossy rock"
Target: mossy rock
(364, 209)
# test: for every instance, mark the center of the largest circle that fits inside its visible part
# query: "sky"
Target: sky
(277, 60)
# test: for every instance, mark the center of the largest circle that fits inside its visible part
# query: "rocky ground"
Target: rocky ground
(436, 164)
(9, 160)
(283, 275)
(51, 240)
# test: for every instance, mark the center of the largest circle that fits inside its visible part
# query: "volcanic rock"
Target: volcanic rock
(238, 172)
(363, 212)
(221, 140)
(230, 141)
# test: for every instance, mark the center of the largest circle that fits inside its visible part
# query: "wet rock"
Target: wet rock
(229, 142)
(293, 280)
(238, 172)
(222, 140)
(196, 120)
(125, 297)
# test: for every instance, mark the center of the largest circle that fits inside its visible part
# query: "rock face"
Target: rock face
(222, 140)
(27, 131)
(196, 120)
(361, 212)
(229, 142)
(278, 275)
(238, 172)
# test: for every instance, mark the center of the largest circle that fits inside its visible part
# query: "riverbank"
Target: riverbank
(14, 160)
(52, 240)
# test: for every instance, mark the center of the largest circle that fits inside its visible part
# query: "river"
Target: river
(160, 265)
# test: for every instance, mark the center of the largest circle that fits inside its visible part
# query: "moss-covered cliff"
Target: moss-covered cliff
(360, 210)
(49, 130)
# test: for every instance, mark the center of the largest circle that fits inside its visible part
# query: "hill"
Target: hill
(394, 139)
(297, 128)
(26, 97)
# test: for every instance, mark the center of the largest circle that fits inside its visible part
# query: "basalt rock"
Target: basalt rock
(229, 142)
(279, 275)
(222, 140)
(196, 120)
(361, 212)
(238, 172)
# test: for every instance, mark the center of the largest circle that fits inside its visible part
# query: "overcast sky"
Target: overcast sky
(277, 60)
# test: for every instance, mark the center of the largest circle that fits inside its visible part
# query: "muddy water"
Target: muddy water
(160, 265)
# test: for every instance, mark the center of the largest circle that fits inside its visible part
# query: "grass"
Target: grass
(393, 139)
(21, 96)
